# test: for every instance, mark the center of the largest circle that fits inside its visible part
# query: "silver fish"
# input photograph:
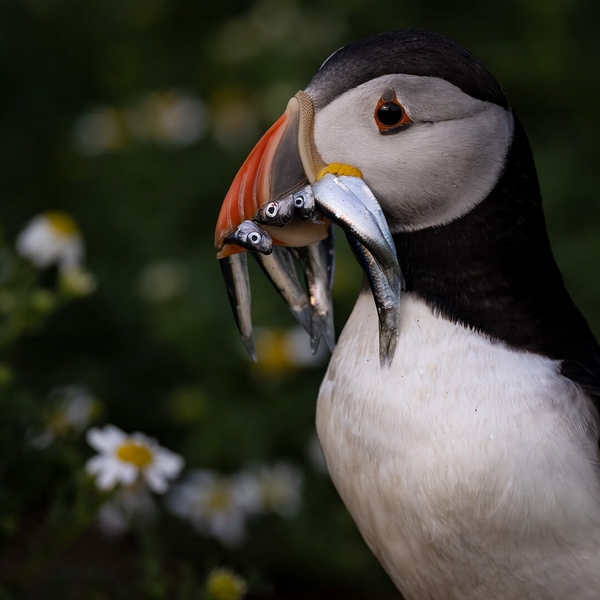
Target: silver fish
(386, 300)
(358, 213)
(278, 212)
(362, 191)
(304, 204)
(251, 237)
(281, 271)
(281, 212)
(318, 261)
(349, 203)
(235, 273)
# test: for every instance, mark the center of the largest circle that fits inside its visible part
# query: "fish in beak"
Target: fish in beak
(280, 207)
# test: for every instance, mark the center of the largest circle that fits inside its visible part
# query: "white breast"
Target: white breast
(469, 468)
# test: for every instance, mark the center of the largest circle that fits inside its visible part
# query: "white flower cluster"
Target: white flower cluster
(170, 117)
(53, 238)
(218, 506)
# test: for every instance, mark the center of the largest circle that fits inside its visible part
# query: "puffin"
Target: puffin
(469, 457)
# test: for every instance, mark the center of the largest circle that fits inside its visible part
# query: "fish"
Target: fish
(362, 191)
(386, 295)
(304, 205)
(280, 269)
(250, 236)
(282, 212)
(278, 213)
(318, 262)
(234, 269)
(350, 204)
(347, 202)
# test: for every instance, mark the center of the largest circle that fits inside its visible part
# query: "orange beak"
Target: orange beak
(283, 161)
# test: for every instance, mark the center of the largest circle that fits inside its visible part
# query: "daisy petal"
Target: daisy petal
(168, 463)
(156, 482)
(105, 440)
(95, 464)
(128, 473)
(107, 477)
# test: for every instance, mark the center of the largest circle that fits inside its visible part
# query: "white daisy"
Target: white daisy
(124, 458)
(279, 488)
(217, 506)
(51, 238)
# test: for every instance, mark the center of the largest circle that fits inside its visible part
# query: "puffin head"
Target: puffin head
(413, 113)
(424, 121)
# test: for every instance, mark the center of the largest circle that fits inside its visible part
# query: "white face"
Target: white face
(435, 171)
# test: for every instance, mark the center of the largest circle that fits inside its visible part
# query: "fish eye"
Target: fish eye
(299, 201)
(254, 237)
(272, 209)
(390, 115)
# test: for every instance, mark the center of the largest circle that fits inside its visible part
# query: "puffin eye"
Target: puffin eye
(272, 209)
(390, 115)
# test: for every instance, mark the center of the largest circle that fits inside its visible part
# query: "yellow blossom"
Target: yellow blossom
(224, 584)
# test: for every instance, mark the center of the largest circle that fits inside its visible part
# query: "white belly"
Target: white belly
(469, 468)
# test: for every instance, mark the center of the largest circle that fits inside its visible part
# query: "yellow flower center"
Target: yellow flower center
(62, 223)
(271, 347)
(223, 584)
(219, 498)
(135, 453)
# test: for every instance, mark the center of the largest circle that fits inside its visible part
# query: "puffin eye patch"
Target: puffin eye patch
(390, 116)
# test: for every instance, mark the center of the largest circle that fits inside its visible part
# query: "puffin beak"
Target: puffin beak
(283, 161)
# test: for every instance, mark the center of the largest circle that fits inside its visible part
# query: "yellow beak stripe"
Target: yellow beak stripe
(339, 169)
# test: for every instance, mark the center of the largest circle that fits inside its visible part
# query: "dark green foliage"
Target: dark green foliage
(169, 363)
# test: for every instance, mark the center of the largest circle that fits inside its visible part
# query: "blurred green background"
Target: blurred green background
(133, 116)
